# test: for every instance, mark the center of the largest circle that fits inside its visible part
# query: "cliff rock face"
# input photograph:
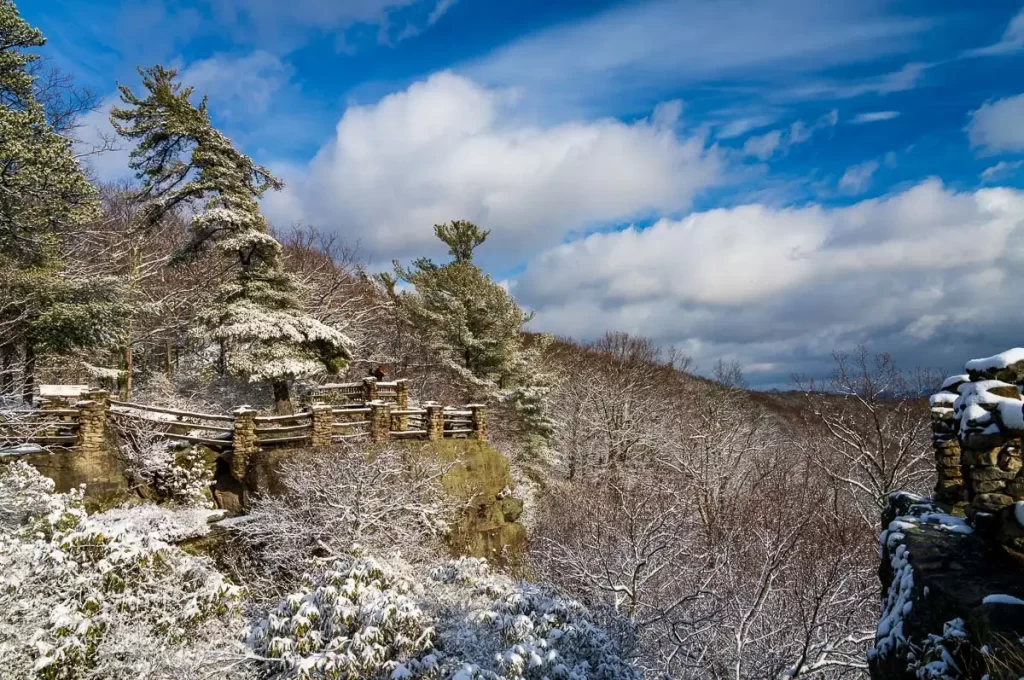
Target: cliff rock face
(952, 601)
(481, 480)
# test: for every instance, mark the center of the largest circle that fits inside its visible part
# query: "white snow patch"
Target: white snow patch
(21, 450)
(969, 406)
(1001, 599)
(942, 398)
(1001, 360)
(159, 522)
(954, 379)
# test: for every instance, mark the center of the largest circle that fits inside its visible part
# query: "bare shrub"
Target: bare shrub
(382, 499)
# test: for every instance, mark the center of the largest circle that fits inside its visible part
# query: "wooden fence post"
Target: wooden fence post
(322, 434)
(479, 421)
(380, 422)
(93, 463)
(435, 421)
(401, 423)
(369, 390)
(244, 443)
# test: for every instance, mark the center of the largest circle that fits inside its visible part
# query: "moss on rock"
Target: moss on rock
(480, 480)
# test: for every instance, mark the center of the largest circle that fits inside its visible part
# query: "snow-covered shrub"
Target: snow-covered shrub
(104, 596)
(364, 618)
(385, 500)
(175, 473)
(23, 493)
(495, 628)
(354, 619)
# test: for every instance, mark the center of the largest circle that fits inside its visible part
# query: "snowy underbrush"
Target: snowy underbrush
(177, 474)
(363, 618)
(107, 595)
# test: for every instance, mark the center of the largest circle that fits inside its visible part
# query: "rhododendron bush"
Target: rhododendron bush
(364, 618)
(103, 596)
(108, 595)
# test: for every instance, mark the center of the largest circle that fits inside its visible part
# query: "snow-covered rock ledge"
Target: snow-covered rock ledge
(949, 596)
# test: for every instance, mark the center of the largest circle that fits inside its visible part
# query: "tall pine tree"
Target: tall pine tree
(43, 196)
(475, 326)
(471, 322)
(256, 318)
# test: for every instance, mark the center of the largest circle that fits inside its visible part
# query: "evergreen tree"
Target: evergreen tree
(43, 196)
(256, 319)
(469, 320)
(475, 326)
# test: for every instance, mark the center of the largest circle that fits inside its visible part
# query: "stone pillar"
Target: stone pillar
(369, 390)
(380, 421)
(990, 446)
(435, 421)
(323, 426)
(93, 463)
(949, 483)
(479, 421)
(401, 423)
(244, 444)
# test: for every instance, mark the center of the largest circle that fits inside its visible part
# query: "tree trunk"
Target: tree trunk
(7, 355)
(282, 399)
(28, 384)
(169, 360)
(129, 366)
(222, 358)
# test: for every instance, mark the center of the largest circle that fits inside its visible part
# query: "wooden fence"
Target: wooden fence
(359, 393)
(51, 427)
(244, 430)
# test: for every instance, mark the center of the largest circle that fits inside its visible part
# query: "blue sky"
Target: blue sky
(758, 180)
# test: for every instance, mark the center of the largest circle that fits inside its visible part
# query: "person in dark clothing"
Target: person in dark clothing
(379, 373)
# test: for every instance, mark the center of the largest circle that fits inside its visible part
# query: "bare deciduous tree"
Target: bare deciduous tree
(876, 423)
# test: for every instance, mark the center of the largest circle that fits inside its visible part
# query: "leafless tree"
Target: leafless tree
(876, 425)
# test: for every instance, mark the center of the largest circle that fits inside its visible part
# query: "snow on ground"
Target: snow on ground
(159, 522)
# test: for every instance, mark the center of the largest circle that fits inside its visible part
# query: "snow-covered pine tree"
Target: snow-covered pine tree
(475, 326)
(44, 195)
(256, 319)
(469, 320)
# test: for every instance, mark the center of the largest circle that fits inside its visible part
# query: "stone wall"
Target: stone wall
(952, 567)
(952, 600)
(977, 426)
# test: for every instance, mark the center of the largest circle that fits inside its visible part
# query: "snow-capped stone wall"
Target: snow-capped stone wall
(977, 427)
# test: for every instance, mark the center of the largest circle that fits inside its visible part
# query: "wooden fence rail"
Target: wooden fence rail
(243, 432)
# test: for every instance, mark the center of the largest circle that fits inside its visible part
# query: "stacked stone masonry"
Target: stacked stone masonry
(323, 426)
(244, 443)
(977, 426)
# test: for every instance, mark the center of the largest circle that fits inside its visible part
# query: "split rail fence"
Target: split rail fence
(332, 414)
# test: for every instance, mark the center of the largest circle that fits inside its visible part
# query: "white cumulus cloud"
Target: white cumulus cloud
(447, 148)
(998, 125)
(785, 286)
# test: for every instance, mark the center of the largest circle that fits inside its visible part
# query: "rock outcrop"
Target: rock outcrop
(952, 601)
(952, 568)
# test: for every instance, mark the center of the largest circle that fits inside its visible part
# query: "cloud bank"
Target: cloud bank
(784, 287)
